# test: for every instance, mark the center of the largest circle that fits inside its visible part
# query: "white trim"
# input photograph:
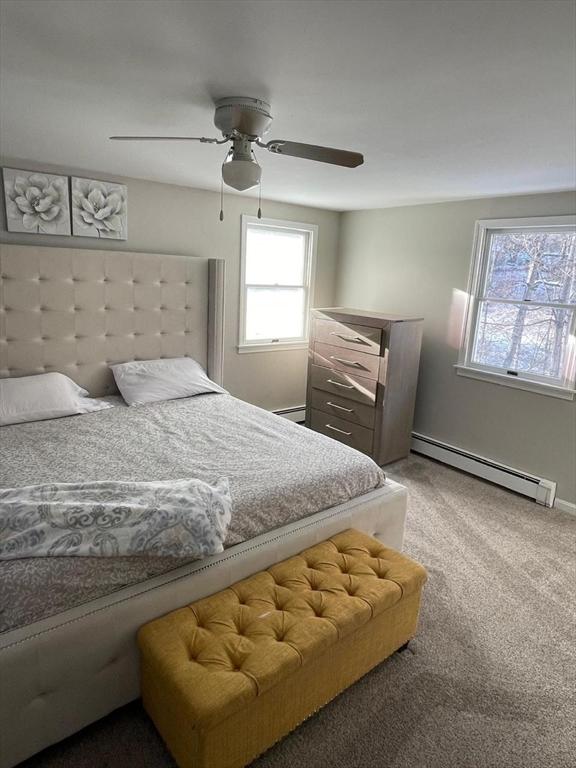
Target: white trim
(269, 345)
(530, 222)
(541, 490)
(564, 393)
(465, 367)
(533, 303)
(276, 346)
(565, 506)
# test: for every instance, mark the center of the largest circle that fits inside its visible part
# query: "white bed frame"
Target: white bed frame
(75, 311)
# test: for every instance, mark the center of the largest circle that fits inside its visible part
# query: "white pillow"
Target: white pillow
(148, 381)
(44, 396)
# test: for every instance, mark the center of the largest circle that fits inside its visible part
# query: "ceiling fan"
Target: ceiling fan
(243, 122)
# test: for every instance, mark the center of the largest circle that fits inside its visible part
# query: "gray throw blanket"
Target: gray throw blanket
(178, 518)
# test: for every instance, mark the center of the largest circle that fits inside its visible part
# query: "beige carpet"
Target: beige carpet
(488, 683)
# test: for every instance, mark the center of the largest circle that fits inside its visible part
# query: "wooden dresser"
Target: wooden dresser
(362, 375)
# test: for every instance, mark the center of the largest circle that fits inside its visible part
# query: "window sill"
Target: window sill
(551, 390)
(271, 347)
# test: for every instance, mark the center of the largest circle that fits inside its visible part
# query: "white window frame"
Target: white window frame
(311, 231)
(465, 367)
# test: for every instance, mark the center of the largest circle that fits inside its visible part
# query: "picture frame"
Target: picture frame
(36, 202)
(99, 209)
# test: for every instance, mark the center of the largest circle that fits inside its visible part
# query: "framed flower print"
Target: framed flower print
(36, 203)
(99, 209)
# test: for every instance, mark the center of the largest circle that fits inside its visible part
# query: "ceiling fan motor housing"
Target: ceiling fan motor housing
(250, 117)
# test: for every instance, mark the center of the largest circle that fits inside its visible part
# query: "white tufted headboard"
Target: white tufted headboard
(75, 311)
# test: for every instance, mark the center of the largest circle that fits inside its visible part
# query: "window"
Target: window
(521, 320)
(276, 283)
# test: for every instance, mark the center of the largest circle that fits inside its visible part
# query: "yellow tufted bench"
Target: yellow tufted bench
(226, 677)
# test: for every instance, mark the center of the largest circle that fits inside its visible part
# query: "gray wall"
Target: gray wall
(164, 218)
(412, 260)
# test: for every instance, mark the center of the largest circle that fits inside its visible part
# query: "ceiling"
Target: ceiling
(446, 99)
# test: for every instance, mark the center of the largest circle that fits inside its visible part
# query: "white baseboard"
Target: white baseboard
(565, 506)
(297, 414)
(541, 490)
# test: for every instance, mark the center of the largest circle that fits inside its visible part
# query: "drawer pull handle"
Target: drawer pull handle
(346, 362)
(339, 384)
(344, 337)
(340, 407)
(341, 431)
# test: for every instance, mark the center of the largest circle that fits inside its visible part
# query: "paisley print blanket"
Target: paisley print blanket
(172, 518)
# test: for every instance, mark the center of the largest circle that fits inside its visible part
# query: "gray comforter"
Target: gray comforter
(279, 472)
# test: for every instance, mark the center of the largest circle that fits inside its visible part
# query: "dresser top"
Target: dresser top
(364, 316)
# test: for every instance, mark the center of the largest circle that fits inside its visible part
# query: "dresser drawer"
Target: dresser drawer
(348, 360)
(357, 413)
(358, 337)
(351, 434)
(353, 387)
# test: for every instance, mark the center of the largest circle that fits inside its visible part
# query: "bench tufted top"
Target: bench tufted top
(221, 652)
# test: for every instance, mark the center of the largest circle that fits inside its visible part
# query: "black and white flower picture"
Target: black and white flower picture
(37, 203)
(99, 209)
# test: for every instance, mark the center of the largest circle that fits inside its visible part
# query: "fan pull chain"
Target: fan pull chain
(260, 199)
(221, 199)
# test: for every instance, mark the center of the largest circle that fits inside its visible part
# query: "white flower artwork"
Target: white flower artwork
(37, 203)
(99, 209)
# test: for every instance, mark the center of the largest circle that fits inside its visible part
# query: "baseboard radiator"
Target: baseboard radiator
(541, 490)
(297, 414)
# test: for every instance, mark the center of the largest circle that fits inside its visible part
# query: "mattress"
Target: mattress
(279, 472)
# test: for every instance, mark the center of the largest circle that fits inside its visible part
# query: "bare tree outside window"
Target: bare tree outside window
(522, 324)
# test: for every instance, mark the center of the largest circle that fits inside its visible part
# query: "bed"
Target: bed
(67, 642)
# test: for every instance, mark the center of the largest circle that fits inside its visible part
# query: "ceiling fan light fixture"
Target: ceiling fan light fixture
(243, 121)
(241, 174)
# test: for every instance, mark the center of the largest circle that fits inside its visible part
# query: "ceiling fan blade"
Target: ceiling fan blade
(203, 139)
(313, 152)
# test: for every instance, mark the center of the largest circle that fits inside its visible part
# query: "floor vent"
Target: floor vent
(537, 488)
